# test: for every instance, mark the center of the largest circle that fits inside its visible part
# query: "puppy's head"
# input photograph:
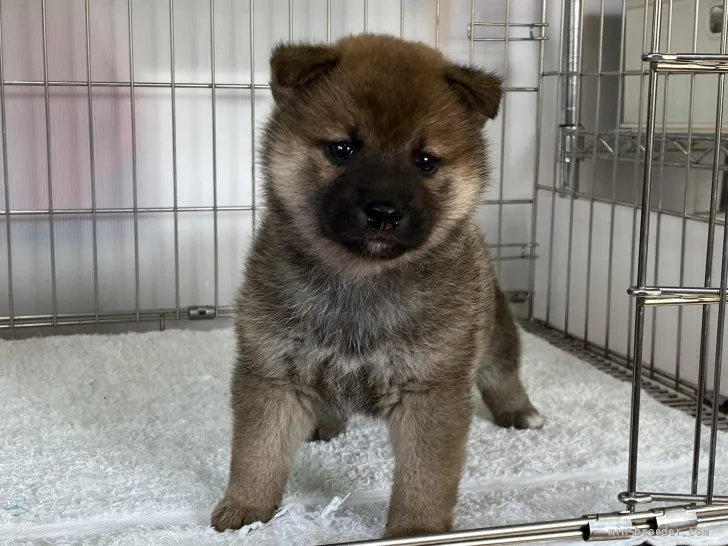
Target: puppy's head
(375, 149)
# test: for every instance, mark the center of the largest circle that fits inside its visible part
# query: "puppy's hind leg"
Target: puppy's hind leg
(498, 378)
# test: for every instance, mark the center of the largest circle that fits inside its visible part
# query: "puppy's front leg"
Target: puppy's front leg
(270, 420)
(428, 432)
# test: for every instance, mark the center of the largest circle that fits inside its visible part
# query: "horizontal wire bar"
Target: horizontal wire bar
(695, 63)
(689, 68)
(511, 258)
(619, 202)
(118, 317)
(506, 201)
(675, 295)
(675, 291)
(178, 85)
(673, 137)
(463, 538)
(675, 164)
(519, 25)
(707, 58)
(84, 319)
(714, 519)
(513, 245)
(140, 210)
(549, 530)
(520, 89)
(507, 25)
(162, 85)
(534, 39)
(696, 157)
(219, 208)
(554, 73)
(679, 497)
(673, 301)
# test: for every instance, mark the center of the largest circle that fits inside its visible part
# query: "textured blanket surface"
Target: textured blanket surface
(125, 440)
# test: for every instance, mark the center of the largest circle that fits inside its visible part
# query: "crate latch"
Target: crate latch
(627, 525)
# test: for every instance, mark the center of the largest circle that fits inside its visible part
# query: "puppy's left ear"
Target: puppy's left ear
(295, 66)
(480, 90)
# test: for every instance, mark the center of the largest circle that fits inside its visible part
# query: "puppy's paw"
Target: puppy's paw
(233, 514)
(522, 419)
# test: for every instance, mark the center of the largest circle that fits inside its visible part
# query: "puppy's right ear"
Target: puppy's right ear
(480, 90)
(295, 66)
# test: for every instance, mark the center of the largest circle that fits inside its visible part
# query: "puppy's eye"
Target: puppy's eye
(339, 151)
(426, 163)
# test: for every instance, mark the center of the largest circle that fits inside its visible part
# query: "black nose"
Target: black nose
(383, 215)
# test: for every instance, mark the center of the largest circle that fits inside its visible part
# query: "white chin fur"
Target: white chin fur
(375, 247)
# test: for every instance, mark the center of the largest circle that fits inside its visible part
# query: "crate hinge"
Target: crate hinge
(201, 312)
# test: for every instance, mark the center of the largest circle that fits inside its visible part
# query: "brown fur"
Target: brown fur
(324, 332)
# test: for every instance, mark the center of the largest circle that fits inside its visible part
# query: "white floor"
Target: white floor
(124, 440)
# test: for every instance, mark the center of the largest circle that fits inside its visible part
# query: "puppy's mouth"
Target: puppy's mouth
(377, 247)
(370, 242)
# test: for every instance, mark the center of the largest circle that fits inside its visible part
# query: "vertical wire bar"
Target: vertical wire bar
(290, 20)
(569, 248)
(401, 18)
(569, 175)
(437, 22)
(328, 20)
(92, 161)
(536, 172)
(724, 269)
(720, 327)
(642, 261)
(472, 32)
(504, 123)
(254, 185)
(557, 163)
(174, 157)
(6, 178)
(49, 160)
(600, 54)
(213, 81)
(573, 185)
(658, 224)
(366, 15)
(615, 164)
(704, 334)
(633, 254)
(134, 170)
(683, 235)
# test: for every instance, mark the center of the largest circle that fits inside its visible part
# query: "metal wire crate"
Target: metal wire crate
(129, 134)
